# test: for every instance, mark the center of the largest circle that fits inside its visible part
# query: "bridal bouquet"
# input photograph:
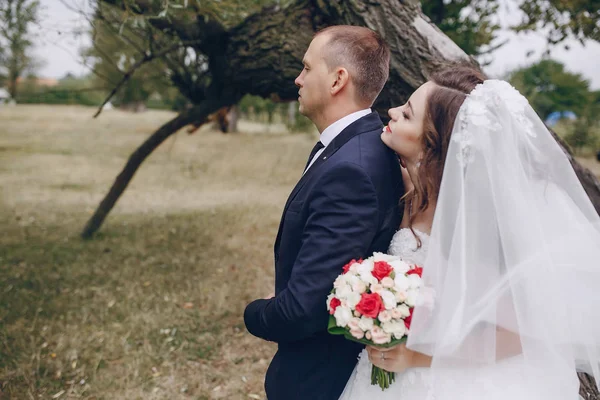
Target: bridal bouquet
(372, 303)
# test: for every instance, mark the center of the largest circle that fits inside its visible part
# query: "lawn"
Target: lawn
(151, 308)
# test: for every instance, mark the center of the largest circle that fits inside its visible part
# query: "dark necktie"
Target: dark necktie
(318, 146)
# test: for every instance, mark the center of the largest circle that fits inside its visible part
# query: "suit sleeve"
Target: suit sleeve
(342, 222)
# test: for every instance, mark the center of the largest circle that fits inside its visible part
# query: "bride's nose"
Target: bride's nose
(393, 112)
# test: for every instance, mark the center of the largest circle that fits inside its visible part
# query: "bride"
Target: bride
(510, 245)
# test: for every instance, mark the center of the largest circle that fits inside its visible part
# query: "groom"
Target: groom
(345, 206)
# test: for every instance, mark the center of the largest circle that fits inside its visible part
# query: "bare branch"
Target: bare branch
(127, 75)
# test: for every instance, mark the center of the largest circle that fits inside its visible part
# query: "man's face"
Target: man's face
(314, 80)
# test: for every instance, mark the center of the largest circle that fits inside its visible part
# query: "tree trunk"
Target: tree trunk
(233, 117)
(263, 54)
(196, 115)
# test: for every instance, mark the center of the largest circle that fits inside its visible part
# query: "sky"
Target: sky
(62, 35)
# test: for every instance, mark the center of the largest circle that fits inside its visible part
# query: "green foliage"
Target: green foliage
(70, 90)
(258, 109)
(564, 18)
(585, 132)
(472, 24)
(115, 51)
(582, 135)
(468, 23)
(16, 42)
(549, 88)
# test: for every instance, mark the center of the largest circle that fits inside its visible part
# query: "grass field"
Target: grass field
(152, 307)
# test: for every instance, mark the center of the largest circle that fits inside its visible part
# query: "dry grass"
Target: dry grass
(152, 307)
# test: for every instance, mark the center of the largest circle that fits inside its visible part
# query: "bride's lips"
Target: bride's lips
(386, 129)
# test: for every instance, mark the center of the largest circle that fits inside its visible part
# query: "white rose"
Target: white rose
(367, 277)
(403, 310)
(376, 288)
(351, 279)
(339, 281)
(385, 316)
(414, 281)
(389, 299)
(400, 267)
(357, 333)
(366, 265)
(379, 336)
(402, 282)
(343, 291)
(388, 282)
(365, 323)
(396, 328)
(383, 257)
(342, 315)
(401, 296)
(353, 323)
(352, 300)
(411, 298)
(359, 287)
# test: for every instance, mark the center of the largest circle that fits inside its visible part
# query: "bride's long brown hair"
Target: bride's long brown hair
(453, 84)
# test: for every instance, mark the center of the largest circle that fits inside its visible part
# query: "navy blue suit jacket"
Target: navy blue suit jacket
(344, 207)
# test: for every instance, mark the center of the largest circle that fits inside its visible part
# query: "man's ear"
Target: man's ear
(342, 78)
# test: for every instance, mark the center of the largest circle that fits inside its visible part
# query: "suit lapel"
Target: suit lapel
(368, 123)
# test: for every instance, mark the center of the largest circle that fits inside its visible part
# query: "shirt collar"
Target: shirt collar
(338, 126)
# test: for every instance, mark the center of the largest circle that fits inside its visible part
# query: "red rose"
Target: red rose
(408, 319)
(370, 304)
(333, 304)
(346, 267)
(416, 270)
(382, 269)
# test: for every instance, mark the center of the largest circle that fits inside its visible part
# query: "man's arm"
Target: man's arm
(342, 223)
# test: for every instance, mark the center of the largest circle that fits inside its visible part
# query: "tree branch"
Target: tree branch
(146, 58)
(195, 115)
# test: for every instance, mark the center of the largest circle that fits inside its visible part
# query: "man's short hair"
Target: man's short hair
(365, 55)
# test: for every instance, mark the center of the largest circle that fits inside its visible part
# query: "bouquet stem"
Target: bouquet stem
(382, 377)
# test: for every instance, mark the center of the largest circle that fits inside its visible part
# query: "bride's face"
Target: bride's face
(405, 129)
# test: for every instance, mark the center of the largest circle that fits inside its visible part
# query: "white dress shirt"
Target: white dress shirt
(335, 129)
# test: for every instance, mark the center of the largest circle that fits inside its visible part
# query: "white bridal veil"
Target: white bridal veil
(512, 276)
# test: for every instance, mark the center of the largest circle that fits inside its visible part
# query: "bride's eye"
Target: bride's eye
(404, 114)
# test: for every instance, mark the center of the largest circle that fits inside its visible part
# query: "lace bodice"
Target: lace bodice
(404, 245)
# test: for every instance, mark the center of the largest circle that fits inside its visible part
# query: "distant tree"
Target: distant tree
(473, 25)
(16, 20)
(549, 87)
(584, 133)
(470, 24)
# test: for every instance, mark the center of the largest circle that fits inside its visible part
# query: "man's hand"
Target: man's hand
(269, 297)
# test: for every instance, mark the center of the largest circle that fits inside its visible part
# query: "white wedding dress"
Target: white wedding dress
(415, 383)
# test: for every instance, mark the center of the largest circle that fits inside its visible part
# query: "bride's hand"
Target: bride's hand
(397, 358)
